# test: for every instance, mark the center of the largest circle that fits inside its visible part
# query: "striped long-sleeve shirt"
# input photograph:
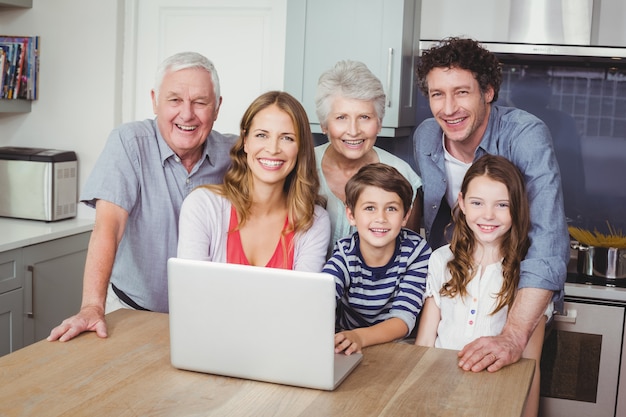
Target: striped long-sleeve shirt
(367, 296)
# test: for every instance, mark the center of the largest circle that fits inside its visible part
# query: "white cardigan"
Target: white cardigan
(203, 232)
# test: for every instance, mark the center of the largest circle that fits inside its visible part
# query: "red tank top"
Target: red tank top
(283, 254)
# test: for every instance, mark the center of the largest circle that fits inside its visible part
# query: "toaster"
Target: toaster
(38, 184)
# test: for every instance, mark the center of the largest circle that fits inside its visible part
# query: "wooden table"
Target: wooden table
(129, 374)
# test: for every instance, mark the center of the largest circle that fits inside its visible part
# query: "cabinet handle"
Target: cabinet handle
(568, 317)
(29, 292)
(389, 68)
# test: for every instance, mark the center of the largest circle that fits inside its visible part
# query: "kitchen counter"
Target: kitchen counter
(17, 233)
(130, 374)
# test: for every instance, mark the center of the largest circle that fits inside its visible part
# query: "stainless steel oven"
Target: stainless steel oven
(580, 364)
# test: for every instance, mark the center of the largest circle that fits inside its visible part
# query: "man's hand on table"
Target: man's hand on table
(491, 353)
(89, 318)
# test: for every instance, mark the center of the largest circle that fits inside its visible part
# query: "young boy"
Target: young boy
(380, 271)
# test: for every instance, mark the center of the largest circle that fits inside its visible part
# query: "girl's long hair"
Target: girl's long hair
(302, 183)
(514, 244)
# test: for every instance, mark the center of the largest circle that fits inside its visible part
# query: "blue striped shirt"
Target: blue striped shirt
(367, 296)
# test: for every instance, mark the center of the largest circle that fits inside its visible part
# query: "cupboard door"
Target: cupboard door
(383, 34)
(11, 325)
(10, 270)
(11, 301)
(53, 283)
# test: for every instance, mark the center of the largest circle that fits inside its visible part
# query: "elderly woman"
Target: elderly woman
(350, 105)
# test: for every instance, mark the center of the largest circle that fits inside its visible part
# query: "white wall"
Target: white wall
(80, 78)
(91, 80)
(245, 39)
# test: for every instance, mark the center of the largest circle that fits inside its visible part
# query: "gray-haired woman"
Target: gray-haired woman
(350, 106)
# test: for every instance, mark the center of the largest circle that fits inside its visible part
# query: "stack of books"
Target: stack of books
(19, 67)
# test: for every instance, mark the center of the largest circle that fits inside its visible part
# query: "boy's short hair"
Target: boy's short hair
(379, 175)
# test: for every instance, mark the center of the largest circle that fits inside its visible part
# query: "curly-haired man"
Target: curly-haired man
(461, 80)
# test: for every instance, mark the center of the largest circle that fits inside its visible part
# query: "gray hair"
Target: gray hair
(184, 60)
(349, 79)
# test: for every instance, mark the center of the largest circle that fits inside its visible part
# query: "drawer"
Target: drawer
(11, 273)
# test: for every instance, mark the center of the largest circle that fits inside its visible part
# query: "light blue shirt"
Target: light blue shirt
(524, 140)
(339, 225)
(139, 172)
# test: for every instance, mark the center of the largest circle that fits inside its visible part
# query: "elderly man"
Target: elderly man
(137, 187)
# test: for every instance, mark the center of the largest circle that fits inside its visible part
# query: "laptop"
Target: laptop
(264, 324)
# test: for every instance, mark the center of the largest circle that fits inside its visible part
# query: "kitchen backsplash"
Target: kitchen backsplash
(585, 109)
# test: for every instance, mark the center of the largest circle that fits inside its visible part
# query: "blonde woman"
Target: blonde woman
(268, 211)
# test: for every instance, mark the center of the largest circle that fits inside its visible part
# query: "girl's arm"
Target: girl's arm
(428, 323)
(351, 341)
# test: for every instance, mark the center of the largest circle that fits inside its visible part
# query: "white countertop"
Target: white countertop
(16, 233)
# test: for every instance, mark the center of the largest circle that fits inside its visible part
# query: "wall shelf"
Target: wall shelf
(14, 106)
(16, 3)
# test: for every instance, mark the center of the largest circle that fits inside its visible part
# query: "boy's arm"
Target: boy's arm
(351, 341)
(428, 324)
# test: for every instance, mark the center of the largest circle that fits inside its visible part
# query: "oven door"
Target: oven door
(581, 360)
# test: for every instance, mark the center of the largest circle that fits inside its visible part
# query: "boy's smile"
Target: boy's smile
(378, 217)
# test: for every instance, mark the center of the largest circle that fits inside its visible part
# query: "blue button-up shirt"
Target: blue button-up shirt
(524, 140)
(139, 172)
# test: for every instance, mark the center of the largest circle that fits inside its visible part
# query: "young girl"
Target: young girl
(472, 282)
(267, 212)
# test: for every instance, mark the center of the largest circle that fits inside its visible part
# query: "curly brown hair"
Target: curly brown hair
(515, 243)
(465, 54)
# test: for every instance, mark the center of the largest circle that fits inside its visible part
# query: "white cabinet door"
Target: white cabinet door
(384, 34)
(244, 38)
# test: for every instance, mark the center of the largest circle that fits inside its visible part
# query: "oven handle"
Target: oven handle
(569, 316)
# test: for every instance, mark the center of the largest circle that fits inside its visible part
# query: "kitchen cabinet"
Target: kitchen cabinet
(383, 34)
(40, 285)
(11, 301)
(11, 329)
(53, 283)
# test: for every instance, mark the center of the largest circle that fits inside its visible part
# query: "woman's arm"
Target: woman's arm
(311, 246)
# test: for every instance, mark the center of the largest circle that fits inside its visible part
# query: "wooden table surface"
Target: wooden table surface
(129, 374)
